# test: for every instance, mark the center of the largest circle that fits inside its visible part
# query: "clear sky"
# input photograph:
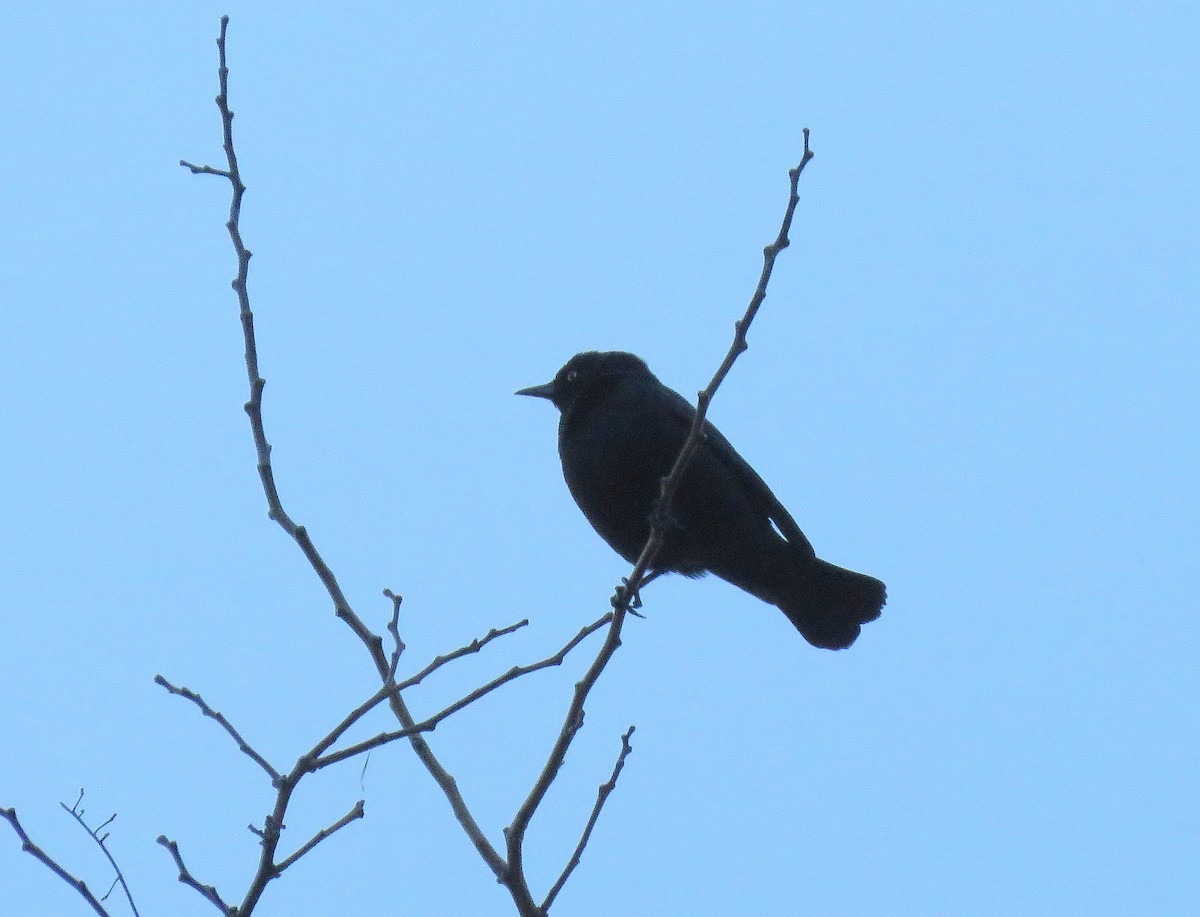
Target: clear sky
(975, 376)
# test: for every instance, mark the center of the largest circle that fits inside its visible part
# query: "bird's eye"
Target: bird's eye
(572, 376)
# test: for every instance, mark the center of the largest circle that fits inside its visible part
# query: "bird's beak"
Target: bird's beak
(539, 391)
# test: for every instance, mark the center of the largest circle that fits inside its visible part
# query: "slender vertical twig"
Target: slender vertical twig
(704, 398)
(602, 795)
(275, 509)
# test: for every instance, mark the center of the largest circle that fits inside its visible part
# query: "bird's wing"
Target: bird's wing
(756, 488)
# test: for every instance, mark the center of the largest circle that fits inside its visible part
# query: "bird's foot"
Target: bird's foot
(631, 603)
(636, 602)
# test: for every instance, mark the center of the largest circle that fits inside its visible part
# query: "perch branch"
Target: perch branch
(670, 484)
(626, 594)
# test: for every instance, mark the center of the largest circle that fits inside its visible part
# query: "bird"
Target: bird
(619, 432)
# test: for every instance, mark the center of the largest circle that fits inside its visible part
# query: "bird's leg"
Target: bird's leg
(647, 579)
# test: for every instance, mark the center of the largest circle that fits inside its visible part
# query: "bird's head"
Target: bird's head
(587, 375)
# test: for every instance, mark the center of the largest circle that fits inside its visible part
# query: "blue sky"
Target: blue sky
(974, 376)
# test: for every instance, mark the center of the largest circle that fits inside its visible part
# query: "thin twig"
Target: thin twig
(203, 170)
(429, 724)
(208, 711)
(355, 813)
(188, 879)
(394, 629)
(274, 822)
(387, 690)
(473, 647)
(661, 515)
(77, 813)
(602, 795)
(80, 887)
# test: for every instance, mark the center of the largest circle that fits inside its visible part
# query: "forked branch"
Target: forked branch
(509, 867)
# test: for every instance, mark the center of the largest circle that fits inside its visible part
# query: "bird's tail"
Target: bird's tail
(830, 604)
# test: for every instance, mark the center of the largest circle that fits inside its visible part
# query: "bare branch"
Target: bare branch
(449, 787)
(225, 724)
(390, 688)
(273, 824)
(275, 510)
(253, 407)
(601, 797)
(514, 877)
(204, 170)
(101, 841)
(10, 815)
(429, 724)
(355, 813)
(188, 879)
(473, 647)
(269, 833)
(394, 630)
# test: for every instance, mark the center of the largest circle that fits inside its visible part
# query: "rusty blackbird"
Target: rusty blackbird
(619, 433)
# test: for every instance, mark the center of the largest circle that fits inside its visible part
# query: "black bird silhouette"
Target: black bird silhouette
(619, 434)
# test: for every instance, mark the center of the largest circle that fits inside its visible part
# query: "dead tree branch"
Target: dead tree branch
(670, 483)
(275, 509)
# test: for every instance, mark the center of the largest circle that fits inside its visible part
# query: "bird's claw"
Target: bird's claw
(635, 600)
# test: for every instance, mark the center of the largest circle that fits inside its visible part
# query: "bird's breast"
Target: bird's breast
(613, 462)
